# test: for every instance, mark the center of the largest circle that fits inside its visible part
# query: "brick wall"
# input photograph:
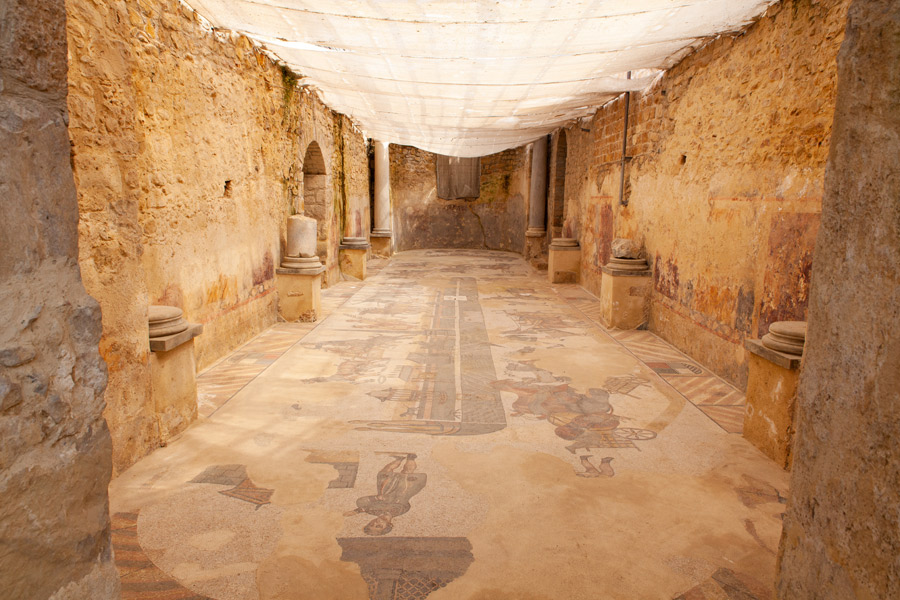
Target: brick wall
(493, 221)
(724, 190)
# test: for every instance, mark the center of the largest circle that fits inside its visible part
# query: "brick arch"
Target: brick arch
(317, 192)
(314, 161)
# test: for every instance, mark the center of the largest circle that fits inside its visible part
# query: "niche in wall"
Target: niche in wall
(458, 177)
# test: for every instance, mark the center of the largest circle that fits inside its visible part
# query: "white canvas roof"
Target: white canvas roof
(473, 77)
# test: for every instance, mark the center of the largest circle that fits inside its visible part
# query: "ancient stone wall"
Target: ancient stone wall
(188, 148)
(841, 532)
(494, 221)
(725, 185)
(54, 444)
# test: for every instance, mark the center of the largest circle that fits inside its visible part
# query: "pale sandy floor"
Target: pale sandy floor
(455, 428)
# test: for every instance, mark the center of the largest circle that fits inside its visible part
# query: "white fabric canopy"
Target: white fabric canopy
(473, 77)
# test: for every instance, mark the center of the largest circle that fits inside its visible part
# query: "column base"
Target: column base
(382, 243)
(299, 294)
(173, 381)
(564, 262)
(771, 398)
(353, 260)
(623, 297)
(534, 232)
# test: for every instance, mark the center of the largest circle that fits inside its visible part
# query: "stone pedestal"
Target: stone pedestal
(624, 293)
(382, 244)
(353, 257)
(564, 263)
(771, 400)
(299, 293)
(173, 370)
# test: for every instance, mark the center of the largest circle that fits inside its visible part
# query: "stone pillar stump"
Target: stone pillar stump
(173, 370)
(353, 257)
(564, 263)
(624, 292)
(299, 294)
(772, 390)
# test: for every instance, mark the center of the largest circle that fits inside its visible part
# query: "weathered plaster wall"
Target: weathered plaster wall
(495, 220)
(54, 444)
(724, 191)
(188, 149)
(842, 528)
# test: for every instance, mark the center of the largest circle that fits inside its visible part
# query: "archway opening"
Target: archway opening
(315, 189)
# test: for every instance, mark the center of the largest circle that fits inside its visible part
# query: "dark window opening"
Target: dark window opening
(458, 177)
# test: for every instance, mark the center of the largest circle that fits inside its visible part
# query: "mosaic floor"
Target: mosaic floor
(454, 428)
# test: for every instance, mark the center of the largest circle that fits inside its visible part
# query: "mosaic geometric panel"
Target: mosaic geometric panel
(707, 390)
(675, 368)
(729, 418)
(222, 475)
(140, 578)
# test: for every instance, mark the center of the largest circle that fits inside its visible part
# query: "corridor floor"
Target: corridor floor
(455, 428)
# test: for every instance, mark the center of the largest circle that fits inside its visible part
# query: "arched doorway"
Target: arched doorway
(316, 196)
(559, 185)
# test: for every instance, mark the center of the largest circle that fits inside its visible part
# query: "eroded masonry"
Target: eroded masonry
(306, 301)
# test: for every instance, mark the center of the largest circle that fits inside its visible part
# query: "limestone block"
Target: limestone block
(353, 262)
(173, 387)
(771, 400)
(299, 295)
(382, 245)
(624, 297)
(301, 236)
(564, 263)
(625, 248)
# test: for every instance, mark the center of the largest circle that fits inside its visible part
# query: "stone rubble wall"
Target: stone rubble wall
(54, 445)
(725, 188)
(188, 147)
(496, 220)
(841, 534)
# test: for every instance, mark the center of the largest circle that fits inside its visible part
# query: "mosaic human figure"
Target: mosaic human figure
(586, 420)
(394, 490)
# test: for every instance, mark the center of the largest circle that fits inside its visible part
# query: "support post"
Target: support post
(537, 202)
(381, 235)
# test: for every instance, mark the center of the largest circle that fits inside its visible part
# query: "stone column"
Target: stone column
(840, 529)
(537, 203)
(381, 233)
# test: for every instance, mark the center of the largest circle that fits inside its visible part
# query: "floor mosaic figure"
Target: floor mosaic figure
(455, 428)
(395, 488)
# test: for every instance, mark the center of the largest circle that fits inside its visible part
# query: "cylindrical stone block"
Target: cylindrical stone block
(301, 236)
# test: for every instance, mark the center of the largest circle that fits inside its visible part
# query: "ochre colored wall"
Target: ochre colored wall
(724, 191)
(54, 445)
(493, 221)
(841, 534)
(188, 149)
